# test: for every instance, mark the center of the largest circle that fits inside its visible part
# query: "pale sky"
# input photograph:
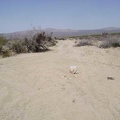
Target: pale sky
(18, 15)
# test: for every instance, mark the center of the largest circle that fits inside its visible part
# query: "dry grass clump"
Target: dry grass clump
(110, 42)
(19, 48)
(7, 53)
(84, 42)
(104, 40)
(3, 41)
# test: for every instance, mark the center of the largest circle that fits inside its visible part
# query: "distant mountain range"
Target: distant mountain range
(60, 32)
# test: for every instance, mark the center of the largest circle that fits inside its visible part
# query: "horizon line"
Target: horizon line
(107, 28)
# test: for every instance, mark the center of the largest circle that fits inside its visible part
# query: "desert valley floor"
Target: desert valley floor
(38, 86)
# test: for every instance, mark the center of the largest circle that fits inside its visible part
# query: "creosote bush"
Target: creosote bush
(3, 41)
(39, 43)
(84, 43)
(7, 53)
(110, 42)
(104, 40)
(1, 48)
(19, 48)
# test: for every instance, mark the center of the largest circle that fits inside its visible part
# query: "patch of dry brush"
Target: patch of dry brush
(39, 43)
(102, 41)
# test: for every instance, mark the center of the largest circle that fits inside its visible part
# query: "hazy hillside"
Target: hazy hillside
(60, 32)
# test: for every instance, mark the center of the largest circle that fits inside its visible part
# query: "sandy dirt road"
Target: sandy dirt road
(38, 86)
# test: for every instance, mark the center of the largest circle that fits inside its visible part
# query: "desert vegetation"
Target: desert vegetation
(110, 42)
(3, 41)
(40, 42)
(84, 42)
(103, 40)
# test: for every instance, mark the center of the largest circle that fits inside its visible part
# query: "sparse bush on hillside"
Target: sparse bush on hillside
(104, 34)
(39, 43)
(19, 48)
(110, 42)
(84, 37)
(62, 39)
(84, 43)
(43, 41)
(29, 44)
(3, 41)
(104, 40)
(1, 48)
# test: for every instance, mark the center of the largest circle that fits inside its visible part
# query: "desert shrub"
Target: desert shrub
(18, 47)
(29, 44)
(84, 43)
(104, 34)
(3, 41)
(55, 38)
(62, 39)
(39, 43)
(1, 48)
(110, 42)
(40, 38)
(85, 37)
(6, 53)
(26, 42)
(43, 39)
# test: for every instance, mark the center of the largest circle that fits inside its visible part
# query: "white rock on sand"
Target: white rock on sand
(73, 69)
(31, 86)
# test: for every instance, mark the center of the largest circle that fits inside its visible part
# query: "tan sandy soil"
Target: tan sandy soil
(38, 86)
